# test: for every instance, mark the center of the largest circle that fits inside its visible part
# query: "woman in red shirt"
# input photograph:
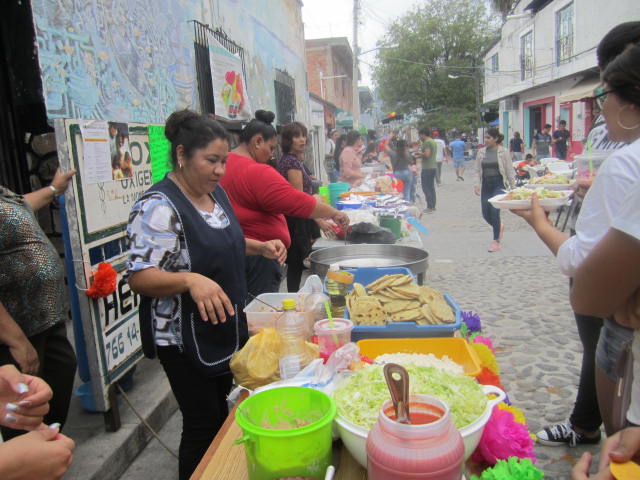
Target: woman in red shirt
(261, 198)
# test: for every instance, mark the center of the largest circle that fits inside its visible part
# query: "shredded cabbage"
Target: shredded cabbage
(360, 397)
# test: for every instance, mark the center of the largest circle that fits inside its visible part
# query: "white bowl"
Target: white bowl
(354, 437)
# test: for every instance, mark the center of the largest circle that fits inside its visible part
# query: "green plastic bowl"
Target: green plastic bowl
(287, 432)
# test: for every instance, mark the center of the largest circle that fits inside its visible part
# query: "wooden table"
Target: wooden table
(226, 461)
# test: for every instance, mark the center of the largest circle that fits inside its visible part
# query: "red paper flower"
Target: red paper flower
(104, 281)
(487, 377)
(502, 438)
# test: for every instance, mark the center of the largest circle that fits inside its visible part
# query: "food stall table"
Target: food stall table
(226, 461)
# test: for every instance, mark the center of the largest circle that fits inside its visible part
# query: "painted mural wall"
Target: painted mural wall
(133, 60)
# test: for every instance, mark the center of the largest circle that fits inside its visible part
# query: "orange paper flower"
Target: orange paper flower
(104, 281)
(487, 377)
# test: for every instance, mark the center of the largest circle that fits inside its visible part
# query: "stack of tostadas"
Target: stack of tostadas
(396, 298)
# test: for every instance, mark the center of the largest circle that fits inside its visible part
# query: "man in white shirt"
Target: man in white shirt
(440, 154)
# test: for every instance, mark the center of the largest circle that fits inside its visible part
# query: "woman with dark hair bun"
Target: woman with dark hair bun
(186, 259)
(261, 198)
(495, 173)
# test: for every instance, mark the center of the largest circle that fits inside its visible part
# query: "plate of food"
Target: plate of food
(550, 181)
(520, 199)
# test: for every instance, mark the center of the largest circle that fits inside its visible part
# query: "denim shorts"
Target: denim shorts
(612, 338)
(458, 162)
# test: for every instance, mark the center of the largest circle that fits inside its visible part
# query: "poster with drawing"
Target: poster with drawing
(227, 75)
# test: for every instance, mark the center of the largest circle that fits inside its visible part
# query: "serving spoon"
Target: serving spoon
(398, 382)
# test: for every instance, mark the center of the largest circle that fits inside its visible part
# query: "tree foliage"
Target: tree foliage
(431, 43)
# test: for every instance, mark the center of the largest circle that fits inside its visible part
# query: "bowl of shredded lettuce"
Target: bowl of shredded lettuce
(359, 398)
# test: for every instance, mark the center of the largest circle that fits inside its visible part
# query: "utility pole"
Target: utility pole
(356, 93)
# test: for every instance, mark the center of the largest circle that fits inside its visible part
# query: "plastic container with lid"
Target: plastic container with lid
(338, 283)
(429, 448)
(332, 334)
(291, 327)
(587, 164)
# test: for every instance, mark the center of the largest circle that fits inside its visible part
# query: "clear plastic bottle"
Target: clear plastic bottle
(338, 283)
(291, 327)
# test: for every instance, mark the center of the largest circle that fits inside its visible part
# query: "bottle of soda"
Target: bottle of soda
(292, 330)
(338, 283)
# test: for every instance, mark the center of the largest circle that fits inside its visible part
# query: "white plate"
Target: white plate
(549, 186)
(549, 204)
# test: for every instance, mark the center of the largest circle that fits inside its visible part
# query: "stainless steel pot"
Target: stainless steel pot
(371, 255)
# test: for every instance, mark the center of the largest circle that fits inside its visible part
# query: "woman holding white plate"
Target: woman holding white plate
(495, 173)
(620, 105)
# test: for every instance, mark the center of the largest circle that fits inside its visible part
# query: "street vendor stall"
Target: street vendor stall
(501, 422)
(283, 429)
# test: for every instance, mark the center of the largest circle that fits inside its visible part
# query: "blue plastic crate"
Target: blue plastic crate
(410, 329)
(366, 275)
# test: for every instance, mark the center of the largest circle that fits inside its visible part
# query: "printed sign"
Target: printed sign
(113, 162)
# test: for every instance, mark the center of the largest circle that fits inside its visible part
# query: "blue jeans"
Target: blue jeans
(428, 178)
(407, 179)
(491, 187)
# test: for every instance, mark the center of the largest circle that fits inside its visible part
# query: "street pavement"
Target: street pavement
(519, 293)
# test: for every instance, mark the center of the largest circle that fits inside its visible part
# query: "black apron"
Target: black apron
(217, 254)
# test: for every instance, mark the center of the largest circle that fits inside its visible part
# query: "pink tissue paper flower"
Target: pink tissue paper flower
(486, 340)
(502, 438)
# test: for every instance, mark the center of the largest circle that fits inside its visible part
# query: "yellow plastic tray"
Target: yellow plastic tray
(457, 349)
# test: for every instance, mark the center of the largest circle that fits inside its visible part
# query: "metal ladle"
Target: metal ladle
(398, 382)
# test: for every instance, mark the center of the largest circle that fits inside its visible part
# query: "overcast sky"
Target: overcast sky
(334, 18)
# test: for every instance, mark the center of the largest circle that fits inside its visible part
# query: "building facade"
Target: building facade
(543, 69)
(330, 75)
(140, 60)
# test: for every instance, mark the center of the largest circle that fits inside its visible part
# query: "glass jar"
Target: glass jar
(430, 448)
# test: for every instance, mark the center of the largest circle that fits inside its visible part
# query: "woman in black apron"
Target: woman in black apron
(187, 261)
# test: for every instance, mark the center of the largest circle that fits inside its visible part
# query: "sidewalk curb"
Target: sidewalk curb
(101, 455)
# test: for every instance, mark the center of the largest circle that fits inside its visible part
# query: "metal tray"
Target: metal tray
(371, 255)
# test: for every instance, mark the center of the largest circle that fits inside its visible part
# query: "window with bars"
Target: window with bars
(285, 97)
(526, 56)
(203, 63)
(564, 34)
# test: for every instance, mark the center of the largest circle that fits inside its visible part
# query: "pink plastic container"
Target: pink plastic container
(332, 338)
(430, 448)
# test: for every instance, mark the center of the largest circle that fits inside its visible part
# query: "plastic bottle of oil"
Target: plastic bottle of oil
(338, 283)
(291, 327)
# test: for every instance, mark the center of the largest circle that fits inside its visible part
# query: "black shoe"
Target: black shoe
(562, 434)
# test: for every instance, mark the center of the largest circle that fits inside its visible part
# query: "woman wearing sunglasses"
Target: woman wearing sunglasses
(620, 101)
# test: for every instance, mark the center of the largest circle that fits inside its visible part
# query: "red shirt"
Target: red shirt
(261, 197)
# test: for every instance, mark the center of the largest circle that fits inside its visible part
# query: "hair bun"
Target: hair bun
(265, 116)
(176, 120)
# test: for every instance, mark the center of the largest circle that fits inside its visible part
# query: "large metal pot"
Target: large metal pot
(371, 255)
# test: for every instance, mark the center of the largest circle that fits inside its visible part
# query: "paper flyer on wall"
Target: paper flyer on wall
(96, 152)
(227, 75)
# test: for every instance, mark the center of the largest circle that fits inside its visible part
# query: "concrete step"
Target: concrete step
(102, 455)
